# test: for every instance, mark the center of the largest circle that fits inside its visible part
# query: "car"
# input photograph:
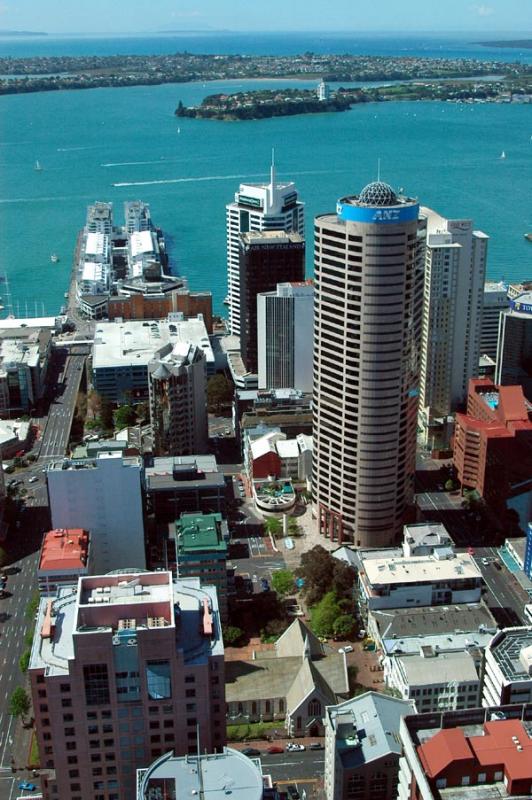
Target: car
(264, 585)
(292, 792)
(485, 562)
(251, 751)
(33, 479)
(346, 649)
(315, 746)
(497, 565)
(289, 543)
(274, 750)
(294, 747)
(27, 786)
(440, 487)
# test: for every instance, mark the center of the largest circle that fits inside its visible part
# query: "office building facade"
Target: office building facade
(270, 206)
(178, 402)
(369, 263)
(495, 300)
(514, 346)
(285, 328)
(266, 259)
(455, 269)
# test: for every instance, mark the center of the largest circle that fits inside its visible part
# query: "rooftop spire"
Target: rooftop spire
(272, 168)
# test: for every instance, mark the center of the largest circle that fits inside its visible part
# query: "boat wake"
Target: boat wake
(133, 163)
(166, 181)
(71, 149)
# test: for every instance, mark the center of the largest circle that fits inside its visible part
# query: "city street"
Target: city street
(56, 434)
(504, 597)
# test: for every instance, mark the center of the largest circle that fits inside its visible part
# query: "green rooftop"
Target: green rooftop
(199, 533)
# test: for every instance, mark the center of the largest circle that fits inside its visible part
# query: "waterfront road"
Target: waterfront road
(56, 434)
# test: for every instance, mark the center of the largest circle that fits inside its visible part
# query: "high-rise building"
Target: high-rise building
(266, 259)
(514, 346)
(455, 268)
(495, 301)
(257, 207)
(285, 324)
(104, 496)
(178, 401)
(508, 668)
(201, 552)
(124, 667)
(362, 746)
(367, 335)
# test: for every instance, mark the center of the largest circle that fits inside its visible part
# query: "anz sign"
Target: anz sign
(377, 216)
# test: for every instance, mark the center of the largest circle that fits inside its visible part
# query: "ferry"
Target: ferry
(54, 258)
(528, 237)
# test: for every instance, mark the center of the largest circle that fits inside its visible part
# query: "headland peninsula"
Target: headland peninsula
(265, 103)
(52, 73)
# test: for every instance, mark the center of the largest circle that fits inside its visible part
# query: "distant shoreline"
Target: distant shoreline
(516, 44)
(22, 33)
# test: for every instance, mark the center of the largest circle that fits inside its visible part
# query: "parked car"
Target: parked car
(264, 585)
(33, 479)
(485, 562)
(497, 565)
(274, 750)
(289, 543)
(251, 751)
(27, 786)
(294, 747)
(315, 746)
(346, 649)
(292, 792)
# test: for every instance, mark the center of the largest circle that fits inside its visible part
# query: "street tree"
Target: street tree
(219, 393)
(317, 570)
(324, 615)
(125, 416)
(344, 626)
(273, 526)
(19, 703)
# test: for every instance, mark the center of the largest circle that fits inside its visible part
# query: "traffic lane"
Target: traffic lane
(503, 593)
(293, 767)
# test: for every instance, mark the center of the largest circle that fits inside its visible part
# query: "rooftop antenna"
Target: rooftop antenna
(272, 168)
(200, 773)
(378, 169)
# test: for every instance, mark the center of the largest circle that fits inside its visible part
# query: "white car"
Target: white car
(289, 543)
(346, 649)
(33, 479)
(293, 747)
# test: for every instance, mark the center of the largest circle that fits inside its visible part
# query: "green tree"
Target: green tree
(106, 414)
(283, 581)
(125, 416)
(33, 605)
(344, 578)
(273, 526)
(317, 570)
(219, 393)
(344, 626)
(19, 703)
(449, 485)
(232, 635)
(24, 661)
(324, 614)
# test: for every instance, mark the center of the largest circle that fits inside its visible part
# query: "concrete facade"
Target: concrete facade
(369, 262)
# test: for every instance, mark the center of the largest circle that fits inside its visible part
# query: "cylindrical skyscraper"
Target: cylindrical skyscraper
(369, 259)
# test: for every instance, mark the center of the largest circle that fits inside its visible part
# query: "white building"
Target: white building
(257, 207)
(123, 349)
(495, 301)
(369, 260)
(102, 495)
(285, 329)
(436, 681)
(24, 357)
(322, 91)
(399, 582)
(508, 668)
(452, 315)
(425, 539)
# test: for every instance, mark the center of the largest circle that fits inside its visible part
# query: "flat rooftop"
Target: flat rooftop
(214, 776)
(121, 605)
(427, 534)
(420, 569)
(182, 472)
(512, 650)
(462, 618)
(199, 533)
(442, 668)
(64, 549)
(135, 343)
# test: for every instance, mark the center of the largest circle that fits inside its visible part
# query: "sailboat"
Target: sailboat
(503, 155)
(179, 130)
(54, 258)
(38, 167)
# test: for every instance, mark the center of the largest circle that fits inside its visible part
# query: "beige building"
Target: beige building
(369, 260)
(292, 684)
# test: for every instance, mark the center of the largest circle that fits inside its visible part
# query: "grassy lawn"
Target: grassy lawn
(252, 730)
(34, 758)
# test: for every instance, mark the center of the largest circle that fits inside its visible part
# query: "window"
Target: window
(481, 778)
(158, 680)
(314, 708)
(68, 717)
(66, 702)
(466, 780)
(190, 693)
(190, 679)
(96, 684)
(73, 773)
(64, 687)
(72, 760)
(69, 731)
(71, 745)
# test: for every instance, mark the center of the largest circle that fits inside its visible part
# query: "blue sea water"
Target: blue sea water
(123, 144)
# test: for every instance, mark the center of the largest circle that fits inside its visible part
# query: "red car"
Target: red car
(274, 750)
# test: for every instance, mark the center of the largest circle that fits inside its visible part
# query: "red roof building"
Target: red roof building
(65, 555)
(493, 442)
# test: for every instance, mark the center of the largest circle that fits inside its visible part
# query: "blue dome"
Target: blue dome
(377, 194)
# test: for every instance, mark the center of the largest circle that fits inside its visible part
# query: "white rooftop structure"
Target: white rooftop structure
(94, 272)
(97, 244)
(288, 448)
(141, 243)
(425, 569)
(423, 670)
(137, 342)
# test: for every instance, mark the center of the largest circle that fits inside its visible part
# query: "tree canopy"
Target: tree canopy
(124, 416)
(283, 581)
(219, 393)
(324, 614)
(322, 573)
(19, 703)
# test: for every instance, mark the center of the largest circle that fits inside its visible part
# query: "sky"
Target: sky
(132, 16)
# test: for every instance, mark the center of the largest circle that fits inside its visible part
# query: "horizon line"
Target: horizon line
(343, 32)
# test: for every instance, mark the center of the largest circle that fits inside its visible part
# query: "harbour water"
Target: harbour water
(120, 144)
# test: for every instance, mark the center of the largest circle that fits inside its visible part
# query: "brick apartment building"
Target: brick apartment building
(124, 667)
(493, 442)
